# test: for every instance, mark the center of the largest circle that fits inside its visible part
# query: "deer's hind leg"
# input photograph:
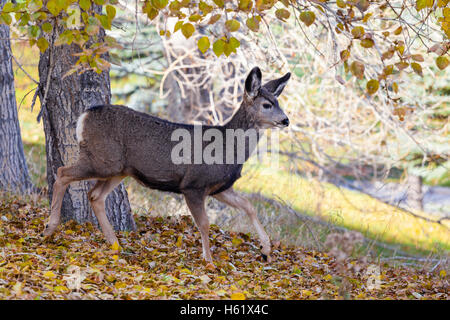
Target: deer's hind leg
(64, 176)
(236, 200)
(97, 196)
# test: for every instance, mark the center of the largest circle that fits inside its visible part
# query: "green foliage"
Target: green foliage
(203, 44)
(80, 23)
(79, 18)
(225, 46)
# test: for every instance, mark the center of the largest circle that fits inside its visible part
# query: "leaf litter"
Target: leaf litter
(163, 260)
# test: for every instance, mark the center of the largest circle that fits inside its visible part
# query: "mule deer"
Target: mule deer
(116, 142)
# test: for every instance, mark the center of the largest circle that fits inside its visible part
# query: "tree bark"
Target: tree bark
(62, 103)
(414, 192)
(14, 175)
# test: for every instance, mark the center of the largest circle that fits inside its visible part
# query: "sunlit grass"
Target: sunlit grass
(346, 208)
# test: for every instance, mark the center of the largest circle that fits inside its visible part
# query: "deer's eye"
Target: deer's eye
(267, 106)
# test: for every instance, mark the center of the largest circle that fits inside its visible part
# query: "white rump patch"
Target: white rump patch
(80, 126)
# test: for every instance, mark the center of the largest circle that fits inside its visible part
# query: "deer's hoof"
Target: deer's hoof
(48, 231)
(266, 258)
(265, 251)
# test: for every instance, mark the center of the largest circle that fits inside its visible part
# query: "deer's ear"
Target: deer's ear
(276, 86)
(253, 82)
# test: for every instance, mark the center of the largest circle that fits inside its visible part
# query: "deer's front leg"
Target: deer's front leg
(234, 199)
(195, 200)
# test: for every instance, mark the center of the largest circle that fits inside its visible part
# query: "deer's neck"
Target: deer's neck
(242, 119)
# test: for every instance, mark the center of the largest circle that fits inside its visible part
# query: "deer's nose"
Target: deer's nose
(285, 122)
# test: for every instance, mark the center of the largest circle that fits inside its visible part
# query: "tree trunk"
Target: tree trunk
(414, 192)
(65, 100)
(14, 175)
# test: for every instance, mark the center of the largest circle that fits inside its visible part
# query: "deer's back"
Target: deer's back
(117, 140)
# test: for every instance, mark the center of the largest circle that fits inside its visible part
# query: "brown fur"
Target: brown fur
(116, 142)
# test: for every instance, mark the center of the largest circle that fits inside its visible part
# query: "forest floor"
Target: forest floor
(162, 260)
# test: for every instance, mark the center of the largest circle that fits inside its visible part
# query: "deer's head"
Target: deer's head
(261, 100)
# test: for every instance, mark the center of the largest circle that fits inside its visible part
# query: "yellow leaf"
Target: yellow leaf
(328, 277)
(219, 3)
(60, 289)
(115, 246)
(307, 17)
(306, 292)
(195, 17)
(42, 44)
(372, 86)
(366, 17)
(232, 25)
(400, 49)
(398, 30)
(367, 43)
(417, 68)
(358, 32)
(120, 285)
(186, 271)
(85, 4)
(245, 5)
(282, 14)
(395, 87)
(442, 62)
(236, 241)
(237, 296)
(442, 273)
(218, 47)
(180, 237)
(187, 30)
(50, 275)
(177, 26)
(253, 23)
(341, 3)
(388, 69)
(345, 54)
